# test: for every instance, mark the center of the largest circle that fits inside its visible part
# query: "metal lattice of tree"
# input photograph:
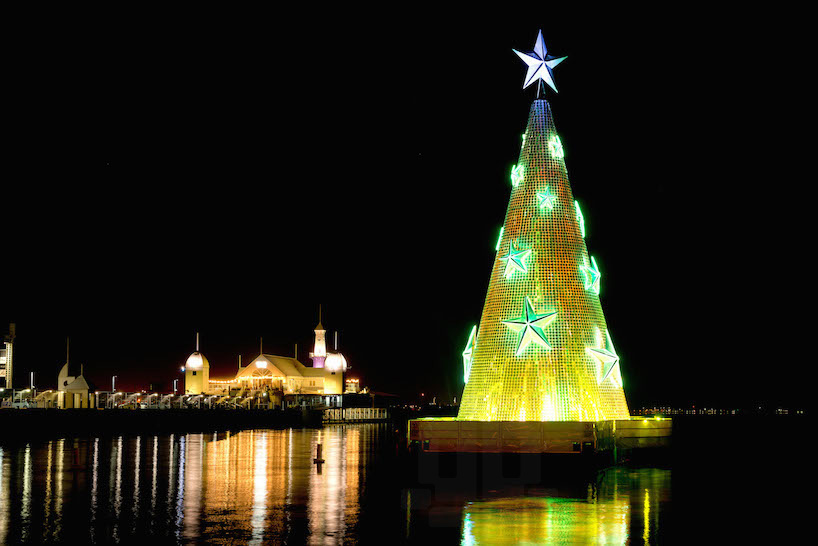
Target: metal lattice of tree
(542, 351)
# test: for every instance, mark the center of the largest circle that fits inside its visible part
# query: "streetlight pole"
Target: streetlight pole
(175, 381)
(113, 383)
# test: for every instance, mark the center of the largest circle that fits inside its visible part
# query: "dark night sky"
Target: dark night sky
(229, 172)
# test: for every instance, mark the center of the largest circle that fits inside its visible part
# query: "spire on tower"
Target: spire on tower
(319, 327)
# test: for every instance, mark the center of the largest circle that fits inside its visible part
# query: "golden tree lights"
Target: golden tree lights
(542, 350)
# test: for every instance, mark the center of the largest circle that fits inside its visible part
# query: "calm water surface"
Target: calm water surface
(261, 486)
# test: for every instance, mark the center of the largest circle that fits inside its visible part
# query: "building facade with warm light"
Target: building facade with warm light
(7, 358)
(285, 374)
(353, 386)
(271, 377)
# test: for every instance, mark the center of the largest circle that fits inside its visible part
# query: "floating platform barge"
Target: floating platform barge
(616, 438)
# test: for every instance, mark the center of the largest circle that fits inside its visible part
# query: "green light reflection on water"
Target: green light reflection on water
(626, 504)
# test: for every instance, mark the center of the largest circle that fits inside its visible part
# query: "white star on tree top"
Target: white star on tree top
(539, 64)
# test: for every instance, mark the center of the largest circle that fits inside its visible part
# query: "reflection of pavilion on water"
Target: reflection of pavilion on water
(258, 495)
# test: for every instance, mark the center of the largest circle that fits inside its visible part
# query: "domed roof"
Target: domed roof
(335, 362)
(196, 361)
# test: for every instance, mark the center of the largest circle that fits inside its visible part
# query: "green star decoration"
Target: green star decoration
(580, 219)
(468, 353)
(515, 261)
(555, 147)
(609, 360)
(546, 199)
(531, 325)
(517, 174)
(592, 276)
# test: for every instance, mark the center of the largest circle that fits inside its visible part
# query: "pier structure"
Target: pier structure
(268, 382)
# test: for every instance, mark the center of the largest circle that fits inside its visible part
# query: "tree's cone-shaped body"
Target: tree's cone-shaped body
(543, 351)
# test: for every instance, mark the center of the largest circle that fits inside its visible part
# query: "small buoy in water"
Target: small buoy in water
(318, 459)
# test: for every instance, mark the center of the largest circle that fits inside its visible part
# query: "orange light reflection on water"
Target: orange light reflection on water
(246, 482)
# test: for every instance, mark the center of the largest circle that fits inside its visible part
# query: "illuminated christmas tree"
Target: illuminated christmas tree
(542, 350)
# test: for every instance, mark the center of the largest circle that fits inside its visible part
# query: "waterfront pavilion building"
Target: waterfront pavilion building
(273, 373)
(281, 373)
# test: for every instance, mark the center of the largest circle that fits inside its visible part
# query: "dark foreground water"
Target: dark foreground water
(261, 486)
